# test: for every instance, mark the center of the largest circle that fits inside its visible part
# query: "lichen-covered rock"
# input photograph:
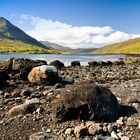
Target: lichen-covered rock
(43, 75)
(85, 101)
(57, 64)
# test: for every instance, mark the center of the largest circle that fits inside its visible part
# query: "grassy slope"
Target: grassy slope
(12, 46)
(126, 47)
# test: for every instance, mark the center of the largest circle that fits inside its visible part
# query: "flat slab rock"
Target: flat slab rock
(85, 101)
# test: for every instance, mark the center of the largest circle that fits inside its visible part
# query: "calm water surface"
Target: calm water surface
(65, 58)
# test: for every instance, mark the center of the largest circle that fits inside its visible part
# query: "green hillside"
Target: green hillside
(131, 46)
(8, 30)
(13, 46)
(14, 40)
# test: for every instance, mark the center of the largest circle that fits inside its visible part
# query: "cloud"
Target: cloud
(73, 36)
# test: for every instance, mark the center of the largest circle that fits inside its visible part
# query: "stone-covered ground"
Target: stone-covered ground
(122, 80)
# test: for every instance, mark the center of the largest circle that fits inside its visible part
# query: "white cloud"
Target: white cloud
(73, 36)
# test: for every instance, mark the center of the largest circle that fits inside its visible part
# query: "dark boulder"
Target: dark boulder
(92, 63)
(57, 64)
(85, 101)
(122, 63)
(108, 63)
(101, 63)
(118, 63)
(75, 63)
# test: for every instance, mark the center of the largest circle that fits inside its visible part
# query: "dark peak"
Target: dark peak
(4, 23)
(2, 19)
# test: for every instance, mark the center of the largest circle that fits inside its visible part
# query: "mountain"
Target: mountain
(83, 50)
(56, 46)
(69, 50)
(11, 37)
(131, 46)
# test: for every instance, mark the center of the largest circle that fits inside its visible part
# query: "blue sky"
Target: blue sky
(119, 15)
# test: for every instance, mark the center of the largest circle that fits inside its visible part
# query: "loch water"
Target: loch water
(65, 58)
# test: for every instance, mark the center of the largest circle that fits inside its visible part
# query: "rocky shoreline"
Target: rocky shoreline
(32, 97)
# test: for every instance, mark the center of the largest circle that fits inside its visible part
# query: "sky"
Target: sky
(75, 23)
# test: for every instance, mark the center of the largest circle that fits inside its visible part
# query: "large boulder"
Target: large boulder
(22, 66)
(85, 101)
(57, 64)
(44, 74)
